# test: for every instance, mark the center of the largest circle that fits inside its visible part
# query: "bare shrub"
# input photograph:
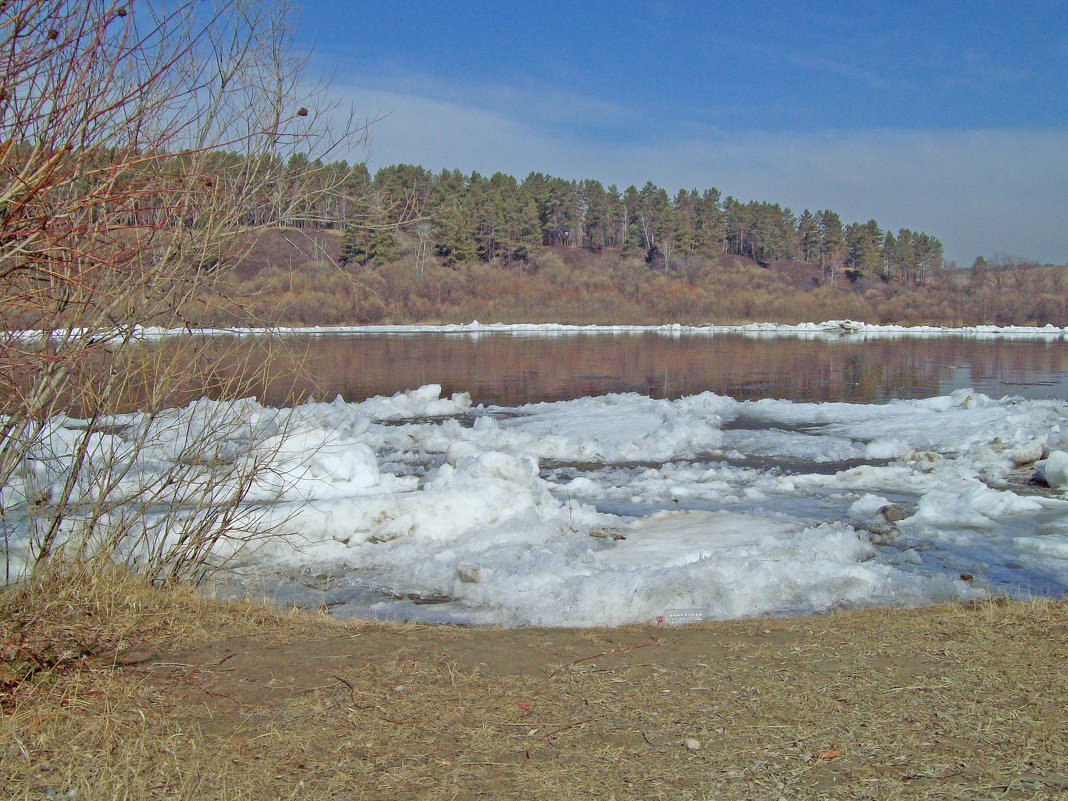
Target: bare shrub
(138, 146)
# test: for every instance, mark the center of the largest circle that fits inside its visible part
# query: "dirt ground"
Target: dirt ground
(176, 697)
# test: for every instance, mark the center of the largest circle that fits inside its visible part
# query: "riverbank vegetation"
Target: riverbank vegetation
(291, 276)
(410, 245)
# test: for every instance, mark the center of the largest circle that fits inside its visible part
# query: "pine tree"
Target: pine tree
(808, 236)
(864, 247)
(711, 232)
(831, 237)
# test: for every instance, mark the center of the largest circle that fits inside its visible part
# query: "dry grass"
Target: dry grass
(170, 696)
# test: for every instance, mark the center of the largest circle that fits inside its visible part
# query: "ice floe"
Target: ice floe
(601, 510)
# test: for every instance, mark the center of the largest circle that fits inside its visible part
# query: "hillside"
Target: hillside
(293, 276)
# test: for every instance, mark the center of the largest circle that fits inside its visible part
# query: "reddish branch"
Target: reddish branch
(621, 649)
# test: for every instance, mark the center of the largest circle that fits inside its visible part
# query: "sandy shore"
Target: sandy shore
(112, 691)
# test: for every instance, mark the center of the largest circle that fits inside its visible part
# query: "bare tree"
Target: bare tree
(834, 262)
(141, 145)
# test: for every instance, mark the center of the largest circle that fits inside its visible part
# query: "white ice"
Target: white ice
(601, 510)
(837, 329)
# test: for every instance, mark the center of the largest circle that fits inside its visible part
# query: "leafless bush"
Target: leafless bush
(138, 146)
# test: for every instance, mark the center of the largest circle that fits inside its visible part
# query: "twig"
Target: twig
(945, 775)
(224, 657)
(619, 650)
(1056, 782)
(623, 667)
(346, 682)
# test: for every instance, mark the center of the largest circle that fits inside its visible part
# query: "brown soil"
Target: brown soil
(233, 701)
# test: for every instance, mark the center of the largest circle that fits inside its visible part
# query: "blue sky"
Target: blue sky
(951, 117)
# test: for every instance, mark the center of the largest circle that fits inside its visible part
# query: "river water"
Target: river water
(513, 369)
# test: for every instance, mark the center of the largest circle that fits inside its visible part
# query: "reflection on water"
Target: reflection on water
(508, 370)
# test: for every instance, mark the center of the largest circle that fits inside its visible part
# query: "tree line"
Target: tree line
(456, 218)
(452, 218)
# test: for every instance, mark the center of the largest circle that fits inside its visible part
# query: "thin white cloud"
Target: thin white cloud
(443, 134)
(984, 68)
(541, 104)
(981, 191)
(839, 68)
